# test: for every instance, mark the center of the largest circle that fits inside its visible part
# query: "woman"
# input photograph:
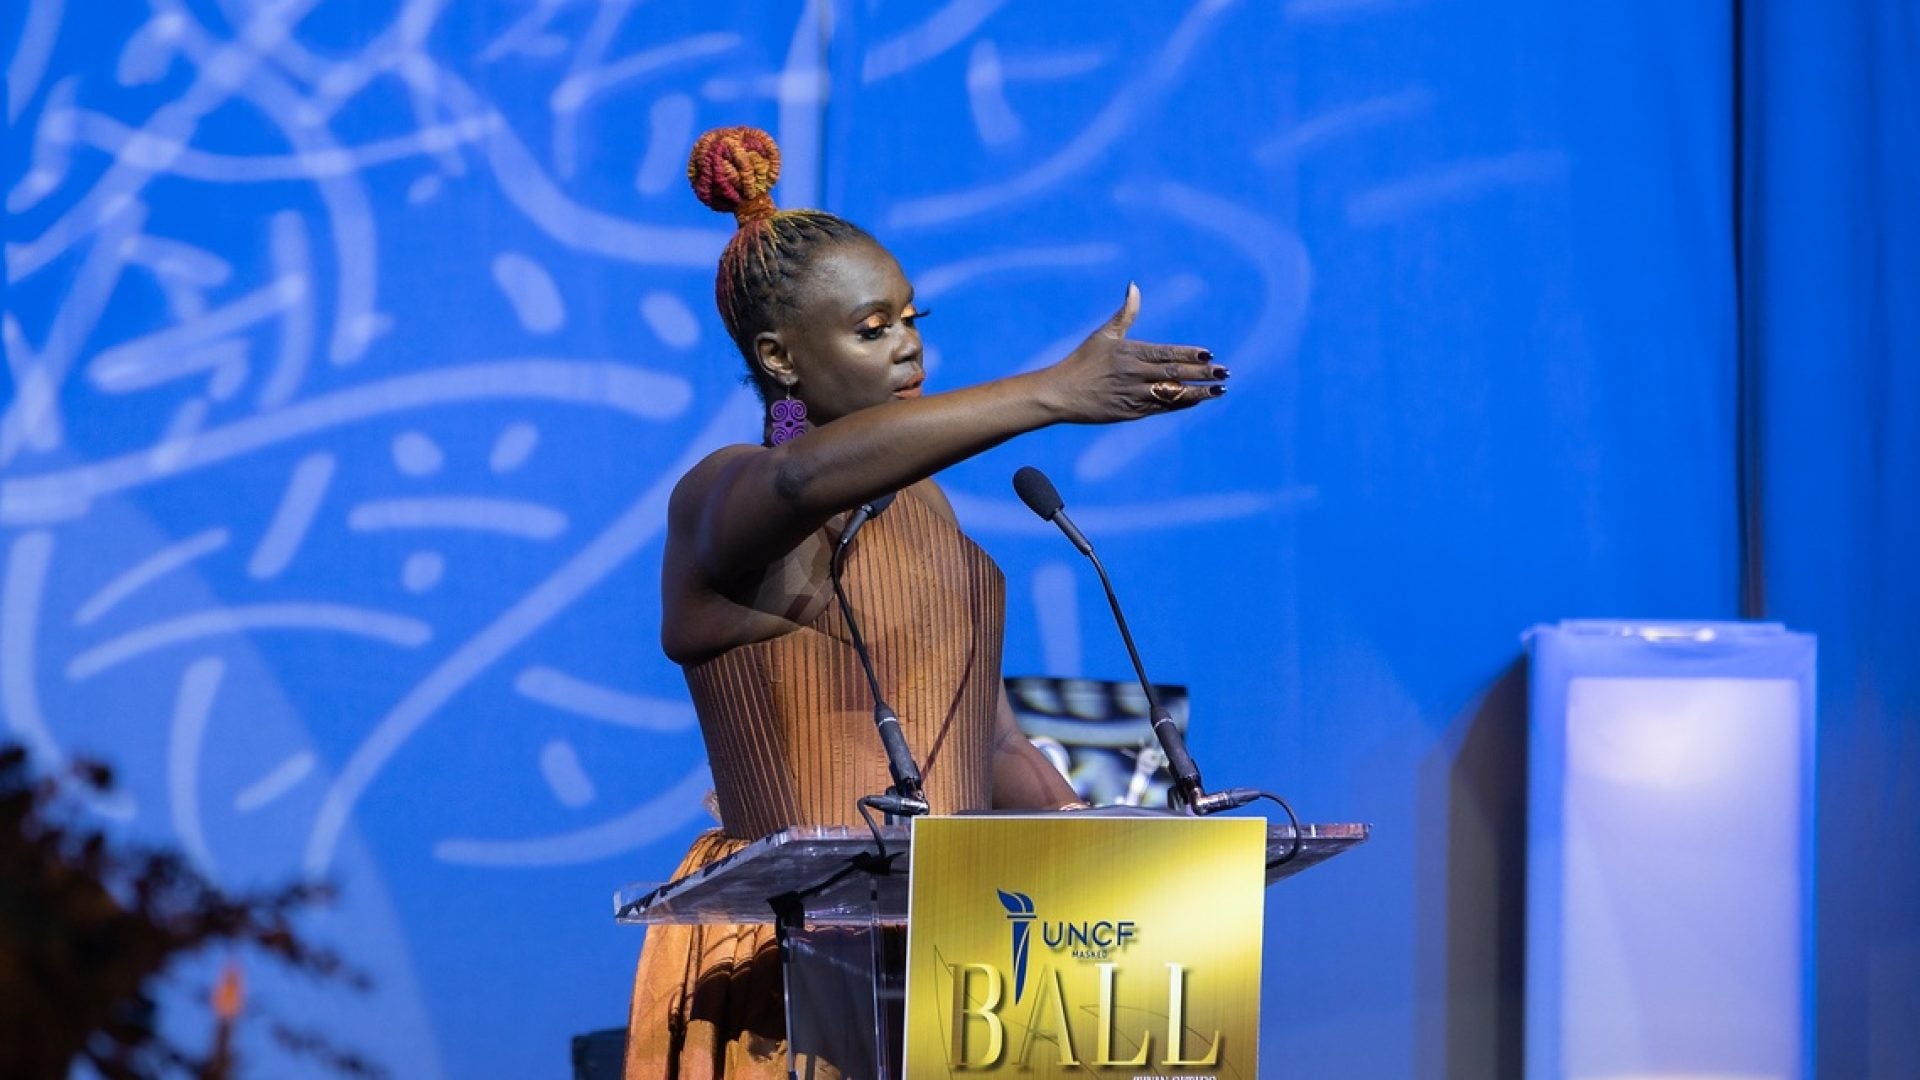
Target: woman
(828, 326)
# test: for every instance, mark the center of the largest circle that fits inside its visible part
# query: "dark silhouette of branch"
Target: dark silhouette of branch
(88, 927)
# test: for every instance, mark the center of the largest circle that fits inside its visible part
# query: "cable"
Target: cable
(866, 804)
(1293, 822)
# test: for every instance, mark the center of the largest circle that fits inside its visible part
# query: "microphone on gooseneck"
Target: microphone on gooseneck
(1039, 494)
(1043, 498)
(906, 798)
(867, 512)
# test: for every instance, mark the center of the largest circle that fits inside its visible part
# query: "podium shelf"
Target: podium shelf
(832, 876)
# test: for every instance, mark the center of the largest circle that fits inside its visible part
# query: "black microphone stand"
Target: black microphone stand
(1180, 763)
(906, 798)
(1043, 499)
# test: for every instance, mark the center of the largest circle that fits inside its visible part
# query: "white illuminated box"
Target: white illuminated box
(1669, 857)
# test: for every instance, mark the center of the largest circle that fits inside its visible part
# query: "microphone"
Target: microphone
(906, 798)
(1042, 498)
(867, 512)
(1039, 494)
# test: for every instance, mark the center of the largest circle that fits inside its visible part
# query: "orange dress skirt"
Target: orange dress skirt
(707, 1000)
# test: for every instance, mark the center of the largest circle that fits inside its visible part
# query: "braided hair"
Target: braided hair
(733, 170)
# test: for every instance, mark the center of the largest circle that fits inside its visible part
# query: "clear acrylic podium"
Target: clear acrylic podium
(840, 910)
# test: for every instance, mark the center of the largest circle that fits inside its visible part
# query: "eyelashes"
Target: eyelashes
(909, 319)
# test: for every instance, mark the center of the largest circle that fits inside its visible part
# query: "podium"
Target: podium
(839, 898)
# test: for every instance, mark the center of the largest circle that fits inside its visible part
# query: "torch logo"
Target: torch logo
(1020, 913)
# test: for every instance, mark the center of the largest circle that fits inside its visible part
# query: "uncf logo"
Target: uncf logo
(1020, 913)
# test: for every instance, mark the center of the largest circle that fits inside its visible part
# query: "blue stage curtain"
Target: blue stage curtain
(1831, 276)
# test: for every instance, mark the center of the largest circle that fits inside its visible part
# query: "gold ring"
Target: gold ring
(1166, 393)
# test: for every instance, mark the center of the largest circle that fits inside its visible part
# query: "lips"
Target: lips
(910, 390)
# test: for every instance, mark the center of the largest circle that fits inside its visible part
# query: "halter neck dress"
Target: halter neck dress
(788, 724)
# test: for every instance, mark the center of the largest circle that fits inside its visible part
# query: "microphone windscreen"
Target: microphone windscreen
(1037, 492)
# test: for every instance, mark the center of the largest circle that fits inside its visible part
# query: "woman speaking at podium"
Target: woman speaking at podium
(828, 326)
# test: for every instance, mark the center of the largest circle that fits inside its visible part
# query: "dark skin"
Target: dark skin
(746, 555)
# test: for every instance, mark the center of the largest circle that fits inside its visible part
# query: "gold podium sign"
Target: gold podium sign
(1085, 946)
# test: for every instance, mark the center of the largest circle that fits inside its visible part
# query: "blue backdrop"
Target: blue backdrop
(1831, 261)
(354, 346)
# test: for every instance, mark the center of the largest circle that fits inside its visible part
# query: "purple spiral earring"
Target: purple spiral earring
(789, 418)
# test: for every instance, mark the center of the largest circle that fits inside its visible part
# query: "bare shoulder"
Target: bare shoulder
(698, 486)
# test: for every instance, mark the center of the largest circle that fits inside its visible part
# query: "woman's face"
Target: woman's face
(851, 343)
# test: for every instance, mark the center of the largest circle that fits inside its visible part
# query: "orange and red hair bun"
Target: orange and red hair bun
(733, 170)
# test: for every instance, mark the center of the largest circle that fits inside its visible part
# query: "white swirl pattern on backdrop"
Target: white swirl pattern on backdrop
(352, 365)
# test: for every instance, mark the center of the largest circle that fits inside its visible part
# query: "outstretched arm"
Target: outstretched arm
(743, 510)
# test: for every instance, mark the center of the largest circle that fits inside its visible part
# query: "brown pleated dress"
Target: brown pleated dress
(788, 725)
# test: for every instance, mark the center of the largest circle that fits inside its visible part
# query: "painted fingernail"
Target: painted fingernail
(1216, 391)
(1205, 356)
(1219, 372)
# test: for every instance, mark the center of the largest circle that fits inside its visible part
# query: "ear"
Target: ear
(770, 354)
